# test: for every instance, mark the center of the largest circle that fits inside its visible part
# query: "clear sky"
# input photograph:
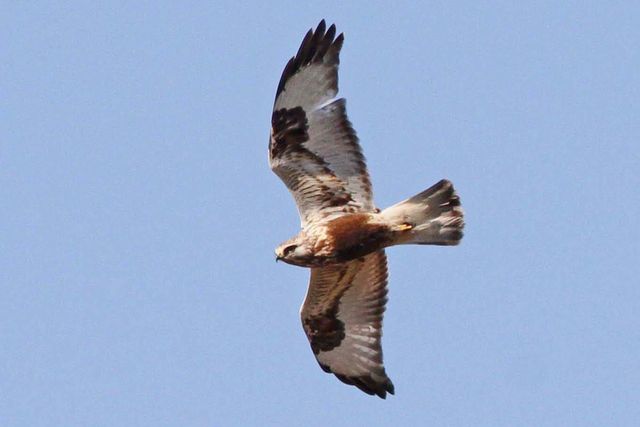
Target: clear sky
(138, 215)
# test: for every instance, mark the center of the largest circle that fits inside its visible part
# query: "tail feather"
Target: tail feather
(433, 217)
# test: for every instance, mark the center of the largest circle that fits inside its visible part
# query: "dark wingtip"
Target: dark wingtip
(390, 388)
(386, 388)
(322, 25)
(339, 41)
(368, 385)
(314, 47)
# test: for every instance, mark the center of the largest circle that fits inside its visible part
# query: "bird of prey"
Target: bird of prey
(315, 151)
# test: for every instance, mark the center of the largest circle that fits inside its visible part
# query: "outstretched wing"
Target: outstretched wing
(342, 317)
(313, 147)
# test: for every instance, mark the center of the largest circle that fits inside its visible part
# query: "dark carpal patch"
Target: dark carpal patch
(324, 331)
(289, 128)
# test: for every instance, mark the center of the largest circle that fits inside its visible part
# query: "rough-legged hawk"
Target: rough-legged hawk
(315, 151)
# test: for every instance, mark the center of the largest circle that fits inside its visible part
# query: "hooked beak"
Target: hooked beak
(278, 258)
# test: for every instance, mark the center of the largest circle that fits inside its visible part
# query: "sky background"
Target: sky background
(138, 215)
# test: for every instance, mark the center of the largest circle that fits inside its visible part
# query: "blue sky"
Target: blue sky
(139, 216)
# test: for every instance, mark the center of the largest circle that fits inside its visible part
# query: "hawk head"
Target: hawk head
(295, 251)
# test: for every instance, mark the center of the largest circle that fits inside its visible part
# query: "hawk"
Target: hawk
(315, 151)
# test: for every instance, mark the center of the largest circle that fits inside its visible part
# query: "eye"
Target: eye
(289, 249)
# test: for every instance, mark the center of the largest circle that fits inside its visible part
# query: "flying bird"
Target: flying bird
(315, 151)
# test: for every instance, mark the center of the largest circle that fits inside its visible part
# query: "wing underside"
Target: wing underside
(313, 147)
(342, 317)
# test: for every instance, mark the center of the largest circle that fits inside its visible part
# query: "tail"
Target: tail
(433, 217)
